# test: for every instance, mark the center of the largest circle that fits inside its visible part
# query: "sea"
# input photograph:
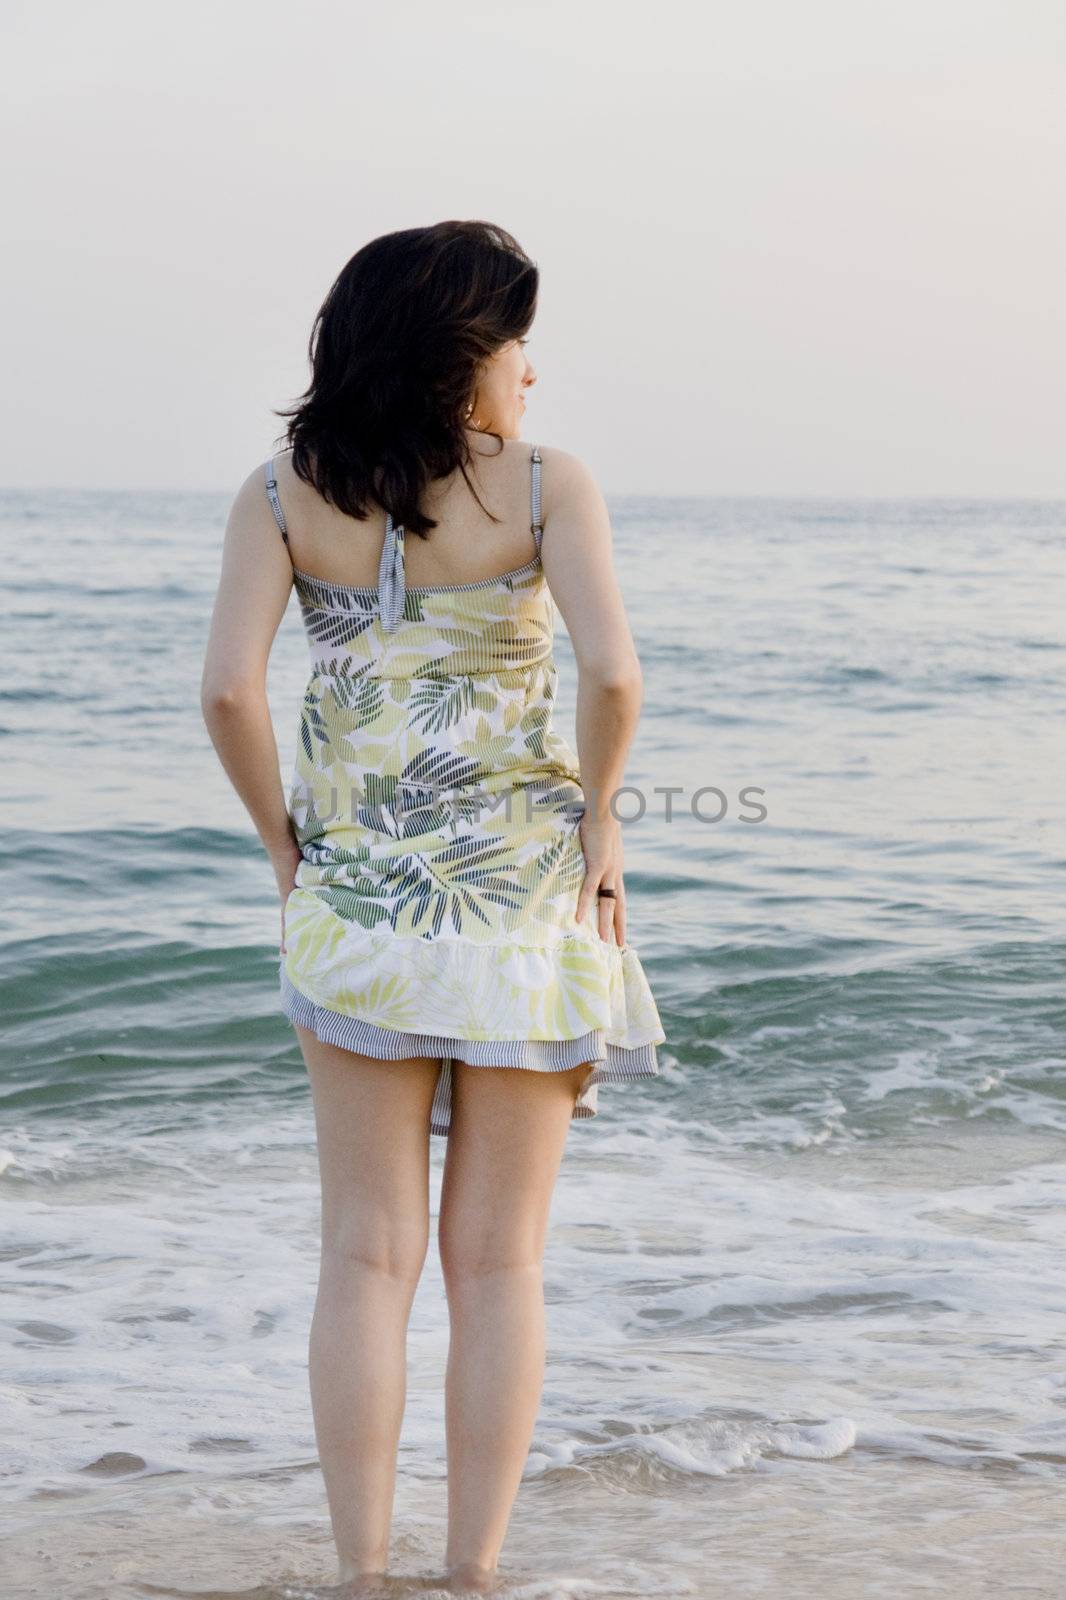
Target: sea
(806, 1291)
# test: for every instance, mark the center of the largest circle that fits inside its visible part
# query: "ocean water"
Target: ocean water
(806, 1291)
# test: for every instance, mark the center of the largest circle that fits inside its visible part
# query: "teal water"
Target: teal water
(805, 1291)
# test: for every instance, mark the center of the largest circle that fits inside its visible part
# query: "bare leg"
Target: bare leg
(372, 1121)
(505, 1146)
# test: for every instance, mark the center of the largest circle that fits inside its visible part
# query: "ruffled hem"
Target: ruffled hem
(611, 1063)
(495, 990)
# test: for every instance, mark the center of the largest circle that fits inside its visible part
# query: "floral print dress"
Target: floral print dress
(437, 809)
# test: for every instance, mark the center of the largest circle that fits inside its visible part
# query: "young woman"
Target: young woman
(453, 917)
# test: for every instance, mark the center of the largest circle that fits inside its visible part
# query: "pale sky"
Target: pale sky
(786, 248)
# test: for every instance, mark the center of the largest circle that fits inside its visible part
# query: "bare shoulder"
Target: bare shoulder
(568, 484)
(252, 519)
(288, 482)
(565, 468)
(253, 497)
(284, 474)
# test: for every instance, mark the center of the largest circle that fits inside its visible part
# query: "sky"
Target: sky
(785, 249)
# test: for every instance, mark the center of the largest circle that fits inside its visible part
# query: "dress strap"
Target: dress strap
(272, 492)
(391, 590)
(537, 528)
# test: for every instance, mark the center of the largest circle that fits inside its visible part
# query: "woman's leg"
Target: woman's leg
(372, 1121)
(505, 1145)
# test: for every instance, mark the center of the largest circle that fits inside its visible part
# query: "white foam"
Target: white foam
(708, 1448)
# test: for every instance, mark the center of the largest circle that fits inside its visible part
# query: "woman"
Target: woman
(450, 872)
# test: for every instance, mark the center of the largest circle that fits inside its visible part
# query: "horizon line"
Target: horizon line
(1003, 497)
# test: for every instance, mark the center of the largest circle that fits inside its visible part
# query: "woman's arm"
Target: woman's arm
(578, 560)
(253, 591)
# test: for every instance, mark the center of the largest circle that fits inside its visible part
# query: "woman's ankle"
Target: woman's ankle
(470, 1577)
(358, 1573)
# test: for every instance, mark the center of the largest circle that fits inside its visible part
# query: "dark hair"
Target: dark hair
(395, 352)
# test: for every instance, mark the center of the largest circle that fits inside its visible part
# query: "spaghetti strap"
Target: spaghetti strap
(537, 528)
(272, 492)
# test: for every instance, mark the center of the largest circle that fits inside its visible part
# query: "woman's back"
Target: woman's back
(465, 547)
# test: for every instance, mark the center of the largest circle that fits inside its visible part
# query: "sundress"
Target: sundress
(436, 809)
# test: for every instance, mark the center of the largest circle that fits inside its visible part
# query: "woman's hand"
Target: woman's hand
(601, 843)
(285, 861)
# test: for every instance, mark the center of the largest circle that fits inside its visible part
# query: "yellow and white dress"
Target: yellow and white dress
(437, 813)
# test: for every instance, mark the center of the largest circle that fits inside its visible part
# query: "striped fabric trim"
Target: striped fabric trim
(611, 1063)
(272, 493)
(537, 527)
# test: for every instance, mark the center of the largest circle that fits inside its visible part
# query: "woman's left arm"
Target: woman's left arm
(253, 591)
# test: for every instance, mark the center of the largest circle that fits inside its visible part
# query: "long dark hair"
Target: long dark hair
(395, 352)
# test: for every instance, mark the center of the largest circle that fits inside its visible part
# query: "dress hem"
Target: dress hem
(611, 1063)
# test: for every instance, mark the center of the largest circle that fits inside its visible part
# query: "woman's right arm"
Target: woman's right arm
(578, 559)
